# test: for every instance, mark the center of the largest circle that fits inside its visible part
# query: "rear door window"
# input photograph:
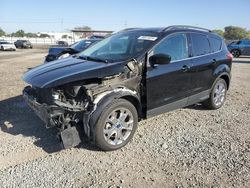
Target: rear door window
(215, 44)
(200, 44)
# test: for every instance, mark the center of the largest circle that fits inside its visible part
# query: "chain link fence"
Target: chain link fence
(38, 41)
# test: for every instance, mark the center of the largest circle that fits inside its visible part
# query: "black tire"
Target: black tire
(211, 102)
(236, 53)
(99, 137)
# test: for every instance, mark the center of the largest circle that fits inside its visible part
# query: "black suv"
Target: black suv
(23, 44)
(130, 76)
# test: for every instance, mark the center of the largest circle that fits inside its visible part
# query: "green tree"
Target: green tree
(2, 33)
(233, 32)
(219, 32)
(19, 33)
(30, 35)
(64, 36)
(44, 36)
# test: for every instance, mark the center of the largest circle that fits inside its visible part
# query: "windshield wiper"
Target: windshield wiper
(93, 59)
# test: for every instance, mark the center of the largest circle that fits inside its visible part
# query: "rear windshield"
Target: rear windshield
(81, 45)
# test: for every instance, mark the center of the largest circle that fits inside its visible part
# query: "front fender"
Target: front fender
(105, 98)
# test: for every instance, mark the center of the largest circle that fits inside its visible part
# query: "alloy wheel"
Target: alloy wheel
(118, 126)
(219, 94)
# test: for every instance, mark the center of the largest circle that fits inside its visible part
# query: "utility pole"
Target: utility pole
(125, 24)
(62, 25)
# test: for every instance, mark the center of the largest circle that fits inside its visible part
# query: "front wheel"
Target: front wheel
(217, 95)
(116, 125)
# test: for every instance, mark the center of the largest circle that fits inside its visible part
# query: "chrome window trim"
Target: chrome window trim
(196, 56)
(189, 58)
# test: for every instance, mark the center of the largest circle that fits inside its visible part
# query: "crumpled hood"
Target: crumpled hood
(68, 70)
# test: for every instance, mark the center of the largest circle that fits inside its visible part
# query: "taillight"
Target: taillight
(229, 56)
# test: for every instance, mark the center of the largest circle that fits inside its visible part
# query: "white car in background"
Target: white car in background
(4, 45)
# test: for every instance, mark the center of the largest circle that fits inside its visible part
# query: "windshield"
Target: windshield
(121, 46)
(81, 45)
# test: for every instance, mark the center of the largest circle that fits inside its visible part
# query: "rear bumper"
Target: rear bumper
(27, 46)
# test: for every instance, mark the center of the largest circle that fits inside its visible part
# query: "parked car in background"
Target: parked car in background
(62, 43)
(4, 45)
(96, 37)
(241, 47)
(23, 44)
(125, 78)
(59, 52)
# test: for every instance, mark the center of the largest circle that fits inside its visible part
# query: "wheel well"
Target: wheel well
(135, 102)
(226, 78)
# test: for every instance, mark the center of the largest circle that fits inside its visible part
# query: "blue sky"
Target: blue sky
(59, 15)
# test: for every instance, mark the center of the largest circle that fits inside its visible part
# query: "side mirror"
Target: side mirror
(159, 59)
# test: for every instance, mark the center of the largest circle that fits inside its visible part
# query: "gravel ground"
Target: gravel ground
(190, 147)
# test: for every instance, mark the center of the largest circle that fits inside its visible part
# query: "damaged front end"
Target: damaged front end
(61, 108)
(69, 107)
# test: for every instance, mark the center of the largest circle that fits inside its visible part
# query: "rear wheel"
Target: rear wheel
(217, 95)
(116, 125)
(235, 53)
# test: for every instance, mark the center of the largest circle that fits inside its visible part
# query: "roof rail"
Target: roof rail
(185, 27)
(129, 29)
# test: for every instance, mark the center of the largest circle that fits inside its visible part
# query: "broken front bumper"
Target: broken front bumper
(69, 137)
(43, 111)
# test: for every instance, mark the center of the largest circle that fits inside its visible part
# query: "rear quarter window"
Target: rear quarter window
(200, 44)
(215, 44)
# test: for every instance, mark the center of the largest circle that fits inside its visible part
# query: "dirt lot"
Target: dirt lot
(190, 147)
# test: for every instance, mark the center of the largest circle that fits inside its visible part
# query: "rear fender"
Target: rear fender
(222, 71)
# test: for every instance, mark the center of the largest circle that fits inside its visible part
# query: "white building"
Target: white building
(57, 35)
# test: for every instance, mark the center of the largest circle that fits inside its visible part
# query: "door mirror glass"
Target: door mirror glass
(159, 59)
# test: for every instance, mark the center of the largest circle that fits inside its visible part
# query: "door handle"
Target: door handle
(185, 68)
